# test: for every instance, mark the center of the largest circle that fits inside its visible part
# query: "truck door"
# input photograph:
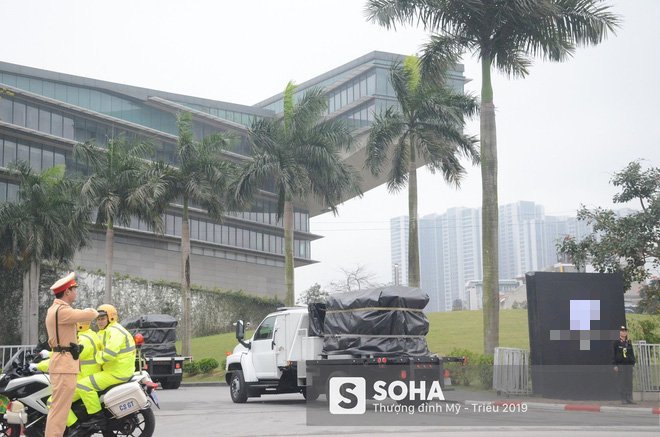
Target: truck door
(263, 350)
(279, 338)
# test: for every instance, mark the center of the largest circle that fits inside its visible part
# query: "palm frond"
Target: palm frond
(439, 56)
(384, 131)
(398, 176)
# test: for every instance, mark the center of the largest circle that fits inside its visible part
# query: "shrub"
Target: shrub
(206, 365)
(460, 374)
(223, 365)
(191, 368)
(485, 371)
(477, 371)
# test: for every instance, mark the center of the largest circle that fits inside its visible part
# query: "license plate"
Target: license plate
(4, 403)
(154, 397)
(178, 370)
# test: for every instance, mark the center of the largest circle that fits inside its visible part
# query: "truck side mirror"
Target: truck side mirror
(240, 334)
(240, 330)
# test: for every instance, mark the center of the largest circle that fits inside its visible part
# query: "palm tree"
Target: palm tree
(119, 188)
(47, 223)
(300, 152)
(507, 35)
(202, 177)
(427, 127)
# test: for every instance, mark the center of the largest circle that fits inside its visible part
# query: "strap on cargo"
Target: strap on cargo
(374, 309)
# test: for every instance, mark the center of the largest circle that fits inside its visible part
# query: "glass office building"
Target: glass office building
(43, 114)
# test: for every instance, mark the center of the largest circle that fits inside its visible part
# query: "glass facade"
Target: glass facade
(233, 116)
(373, 82)
(67, 123)
(39, 156)
(103, 102)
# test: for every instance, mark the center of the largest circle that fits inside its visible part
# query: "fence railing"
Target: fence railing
(647, 370)
(6, 352)
(511, 370)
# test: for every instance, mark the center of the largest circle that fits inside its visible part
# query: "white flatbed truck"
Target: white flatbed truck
(281, 357)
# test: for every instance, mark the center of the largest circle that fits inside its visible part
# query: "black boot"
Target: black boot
(95, 420)
(73, 430)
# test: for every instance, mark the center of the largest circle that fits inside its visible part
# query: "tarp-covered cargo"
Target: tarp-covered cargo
(384, 321)
(316, 319)
(159, 332)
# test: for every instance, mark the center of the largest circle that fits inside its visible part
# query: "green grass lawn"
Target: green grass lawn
(451, 330)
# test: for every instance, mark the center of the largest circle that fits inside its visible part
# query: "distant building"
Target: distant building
(474, 292)
(399, 249)
(451, 254)
(44, 114)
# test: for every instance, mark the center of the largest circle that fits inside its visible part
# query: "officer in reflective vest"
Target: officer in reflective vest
(92, 346)
(116, 358)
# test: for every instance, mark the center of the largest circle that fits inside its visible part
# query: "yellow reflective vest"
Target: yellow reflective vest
(91, 348)
(118, 354)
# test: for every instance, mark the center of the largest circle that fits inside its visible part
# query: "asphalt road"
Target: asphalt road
(209, 411)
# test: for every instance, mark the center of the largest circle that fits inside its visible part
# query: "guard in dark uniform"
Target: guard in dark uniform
(623, 359)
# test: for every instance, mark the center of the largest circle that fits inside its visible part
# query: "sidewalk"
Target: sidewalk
(532, 402)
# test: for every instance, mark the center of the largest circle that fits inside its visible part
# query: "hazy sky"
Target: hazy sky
(562, 132)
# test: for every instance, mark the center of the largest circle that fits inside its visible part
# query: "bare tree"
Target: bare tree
(357, 278)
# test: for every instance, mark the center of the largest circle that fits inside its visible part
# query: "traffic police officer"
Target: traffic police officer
(623, 358)
(61, 322)
(117, 359)
(90, 343)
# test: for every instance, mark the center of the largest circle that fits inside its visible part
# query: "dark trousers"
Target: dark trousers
(624, 380)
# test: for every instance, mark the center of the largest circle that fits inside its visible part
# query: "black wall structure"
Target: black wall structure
(573, 319)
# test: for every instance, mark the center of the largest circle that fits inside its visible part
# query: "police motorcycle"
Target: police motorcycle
(23, 397)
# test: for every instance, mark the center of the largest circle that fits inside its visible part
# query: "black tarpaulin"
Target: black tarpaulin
(384, 321)
(159, 332)
(316, 319)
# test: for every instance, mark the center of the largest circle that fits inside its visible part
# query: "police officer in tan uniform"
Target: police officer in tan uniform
(61, 322)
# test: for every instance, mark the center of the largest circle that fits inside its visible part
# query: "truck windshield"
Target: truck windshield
(265, 330)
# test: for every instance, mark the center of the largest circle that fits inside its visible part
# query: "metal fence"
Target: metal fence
(647, 370)
(6, 352)
(511, 371)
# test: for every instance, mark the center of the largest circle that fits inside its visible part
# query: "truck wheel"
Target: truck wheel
(170, 385)
(173, 385)
(310, 394)
(238, 389)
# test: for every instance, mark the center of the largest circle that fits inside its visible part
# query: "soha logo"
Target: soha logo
(347, 395)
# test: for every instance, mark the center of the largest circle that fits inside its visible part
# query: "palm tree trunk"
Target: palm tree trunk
(288, 252)
(185, 281)
(25, 309)
(490, 213)
(413, 235)
(35, 271)
(30, 331)
(109, 255)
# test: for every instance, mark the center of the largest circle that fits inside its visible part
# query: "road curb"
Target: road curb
(570, 407)
(203, 384)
